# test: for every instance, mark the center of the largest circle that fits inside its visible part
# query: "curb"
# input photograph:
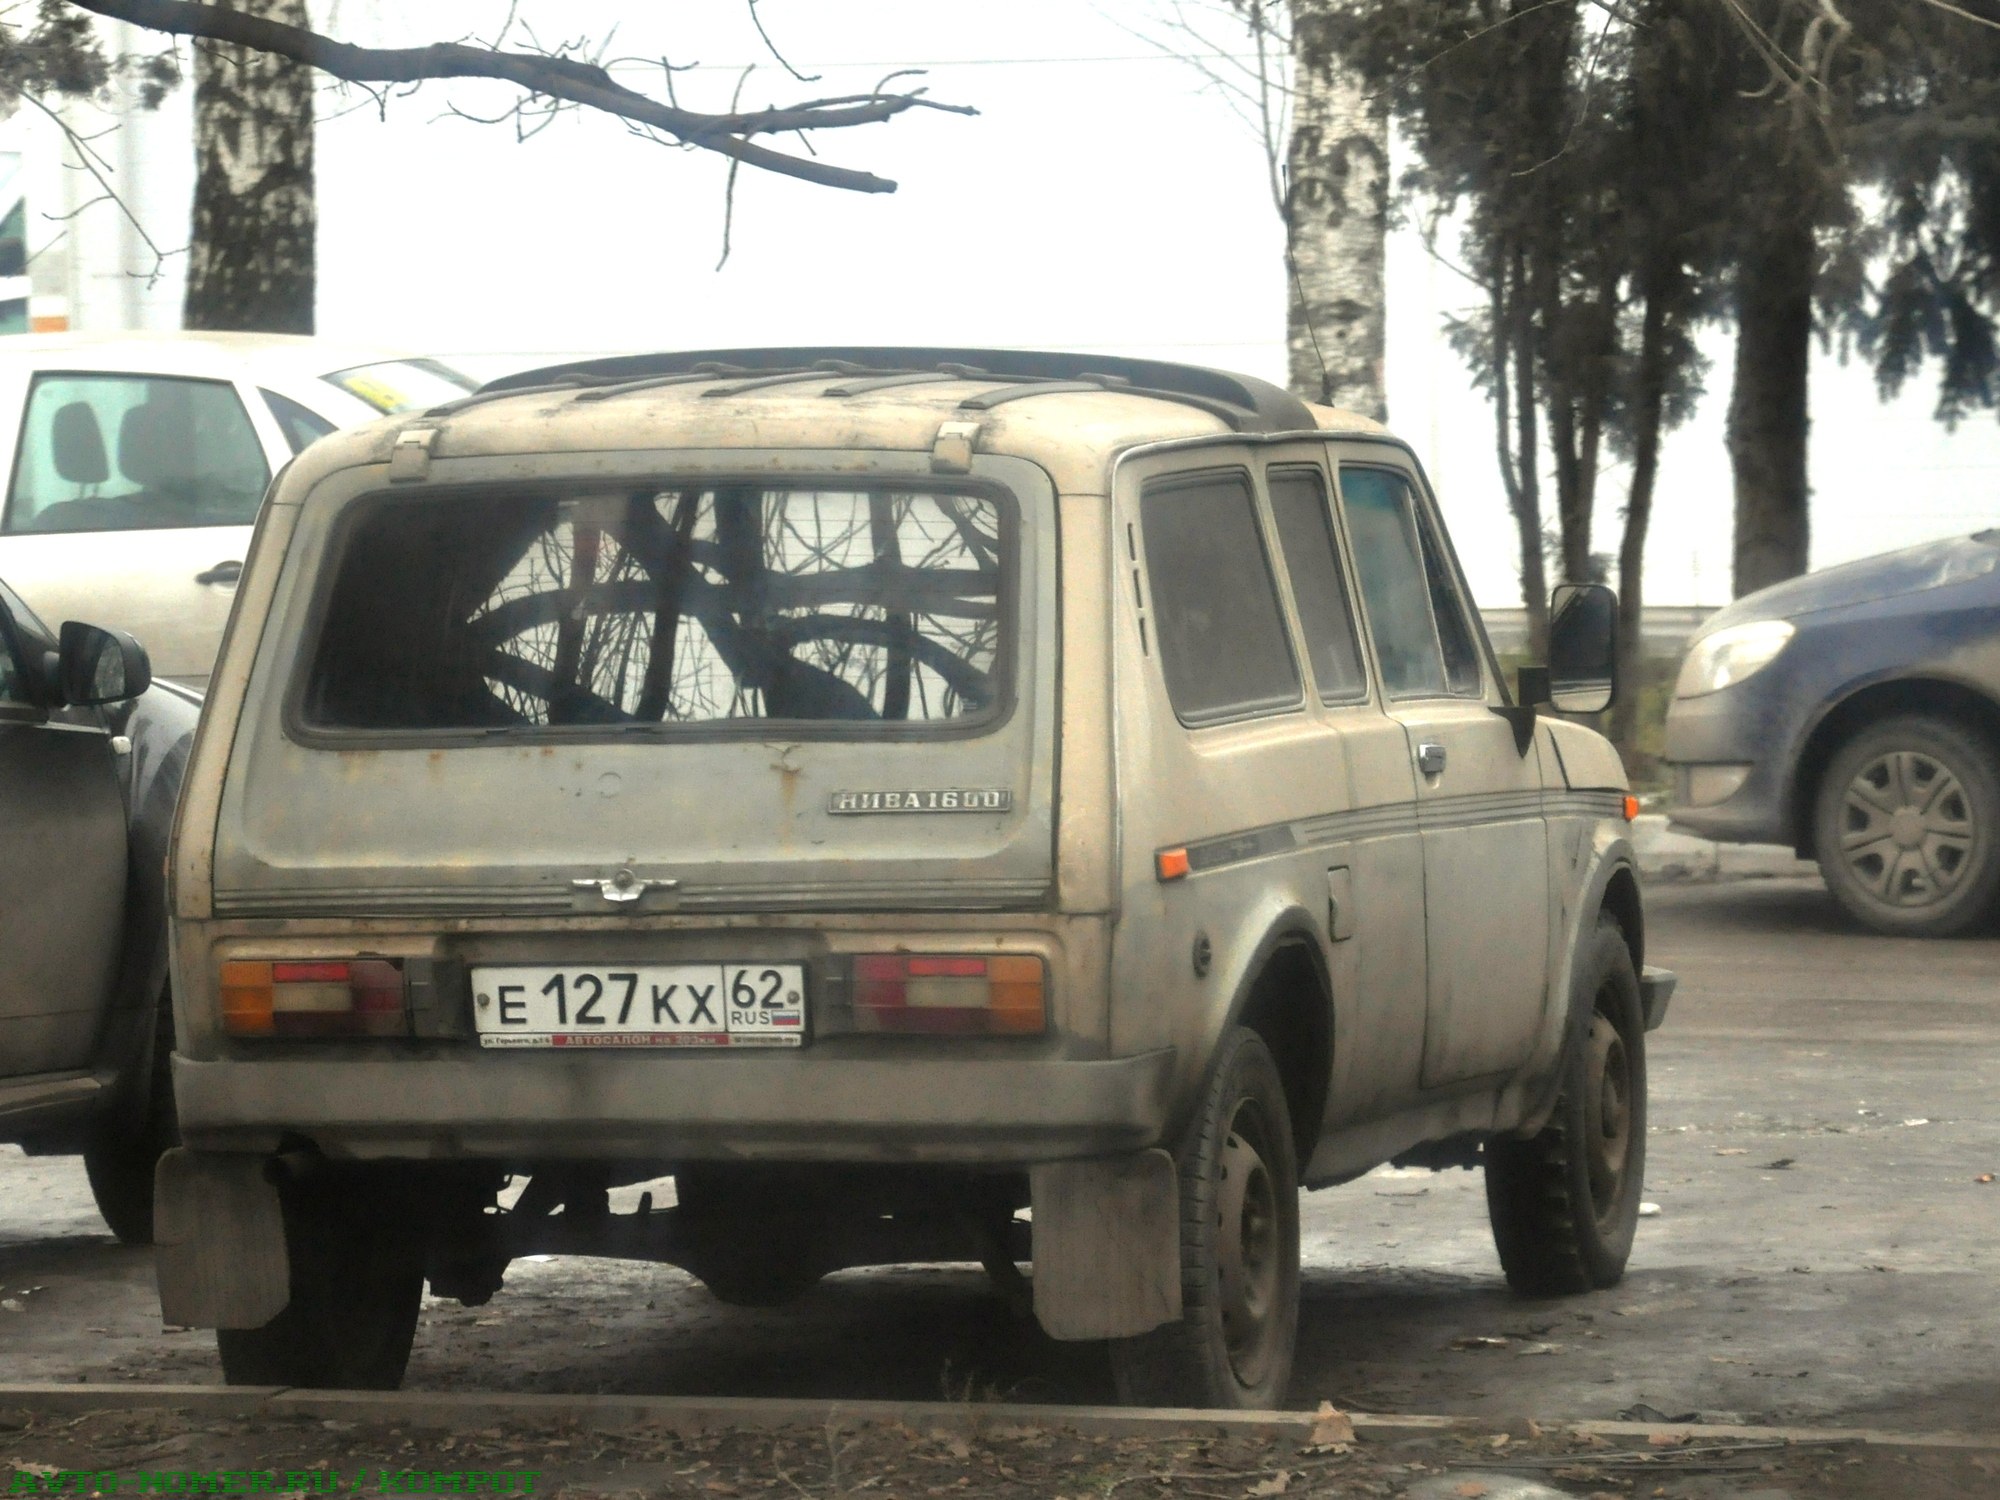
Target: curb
(696, 1413)
(1665, 854)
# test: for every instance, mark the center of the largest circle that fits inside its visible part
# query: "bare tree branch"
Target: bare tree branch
(557, 77)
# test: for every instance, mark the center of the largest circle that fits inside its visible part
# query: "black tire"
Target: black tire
(1906, 826)
(357, 1285)
(1564, 1203)
(1239, 1324)
(745, 1250)
(120, 1154)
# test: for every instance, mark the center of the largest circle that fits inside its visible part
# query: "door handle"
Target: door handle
(227, 571)
(1430, 758)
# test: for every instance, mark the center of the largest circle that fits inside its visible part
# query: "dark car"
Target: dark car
(1854, 713)
(91, 759)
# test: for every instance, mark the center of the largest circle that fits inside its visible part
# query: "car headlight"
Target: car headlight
(1731, 655)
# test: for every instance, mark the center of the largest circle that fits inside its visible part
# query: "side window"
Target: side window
(1388, 558)
(300, 425)
(15, 638)
(1305, 536)
(1461, 655)
(134, 452)
(1223, 648)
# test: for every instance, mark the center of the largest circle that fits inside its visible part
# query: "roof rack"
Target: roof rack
(1246, 403)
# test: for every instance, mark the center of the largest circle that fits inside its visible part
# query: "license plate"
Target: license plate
(641, 1005)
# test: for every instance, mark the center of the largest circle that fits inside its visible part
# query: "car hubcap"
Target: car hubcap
(1906, 829)
(1247, 1251)
(1607, 1117)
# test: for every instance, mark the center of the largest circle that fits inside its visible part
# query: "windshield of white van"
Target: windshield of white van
(680, 607)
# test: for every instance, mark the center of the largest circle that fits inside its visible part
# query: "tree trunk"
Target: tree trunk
(1649, 396)
(251, 260)
(1336, 218)
(1767, 408)
(1518, 441)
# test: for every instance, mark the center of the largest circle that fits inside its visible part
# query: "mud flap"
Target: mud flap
(1107, 1245)
(219, 1238)
(1656, 988)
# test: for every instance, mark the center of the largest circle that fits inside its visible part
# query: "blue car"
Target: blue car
(1854, 713)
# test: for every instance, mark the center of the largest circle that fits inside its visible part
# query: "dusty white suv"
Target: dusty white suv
(888, 789)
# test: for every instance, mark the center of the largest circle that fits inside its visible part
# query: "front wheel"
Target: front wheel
(1564, 1203)
(357, 1285)
(1907, 828)
(1239, 1323)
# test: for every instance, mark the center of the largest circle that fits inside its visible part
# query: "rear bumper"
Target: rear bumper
(996, 1112)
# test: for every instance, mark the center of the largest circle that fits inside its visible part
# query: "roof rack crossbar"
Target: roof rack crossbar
(651, 382)
(569, 382)
(885, 382)
(1000, 395)
(1238, 417)
(819, 371)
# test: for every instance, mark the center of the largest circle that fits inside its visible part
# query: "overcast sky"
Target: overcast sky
(1104, 198)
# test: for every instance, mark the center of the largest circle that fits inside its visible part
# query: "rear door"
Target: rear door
(1479, 800)
(62, 869)
(1372, 851)
(130, 503)
(754, 693)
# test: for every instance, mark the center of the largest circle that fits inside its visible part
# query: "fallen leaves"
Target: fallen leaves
(1332, 1429)
(1277, 1484)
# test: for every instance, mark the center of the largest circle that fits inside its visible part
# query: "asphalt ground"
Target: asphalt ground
(1823, 1108)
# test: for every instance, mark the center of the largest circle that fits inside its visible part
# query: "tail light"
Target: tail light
(1004, 995)
(349, 997)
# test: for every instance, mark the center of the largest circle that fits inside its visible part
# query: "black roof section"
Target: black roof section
(1246, 403)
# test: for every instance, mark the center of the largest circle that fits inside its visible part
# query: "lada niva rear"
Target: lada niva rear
(932, 804)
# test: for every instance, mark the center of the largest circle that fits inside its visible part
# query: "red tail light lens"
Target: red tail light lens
(945, 993)
(345, 997)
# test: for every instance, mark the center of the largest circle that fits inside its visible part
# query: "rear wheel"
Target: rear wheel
(1564, 1203)
(1907, 827)
(120, 1154)
(357, 1284)
(1233, 1344)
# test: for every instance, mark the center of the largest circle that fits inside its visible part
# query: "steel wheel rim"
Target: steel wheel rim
(1907, 833)
(1249, 1253)
(1607, 1117)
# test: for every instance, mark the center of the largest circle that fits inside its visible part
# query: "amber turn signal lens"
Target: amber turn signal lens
(340, 997)
(963, 995)
(1172, 864)
(1631, 808)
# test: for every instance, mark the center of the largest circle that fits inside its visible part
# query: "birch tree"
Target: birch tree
(251, 251)
(1335, 207)
(257, 64)
(1325, 144)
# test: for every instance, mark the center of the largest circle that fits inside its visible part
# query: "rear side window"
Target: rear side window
(134, 452)
(1312, 562)
(1223, 648)
(300, 426)
(699, 607)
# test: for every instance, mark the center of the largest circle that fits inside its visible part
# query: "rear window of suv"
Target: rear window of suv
(706, 607)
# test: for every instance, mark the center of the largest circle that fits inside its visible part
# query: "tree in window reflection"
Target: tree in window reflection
(739, 602)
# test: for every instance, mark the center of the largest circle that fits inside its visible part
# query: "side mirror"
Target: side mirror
(1583, 648)
(95, 665)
